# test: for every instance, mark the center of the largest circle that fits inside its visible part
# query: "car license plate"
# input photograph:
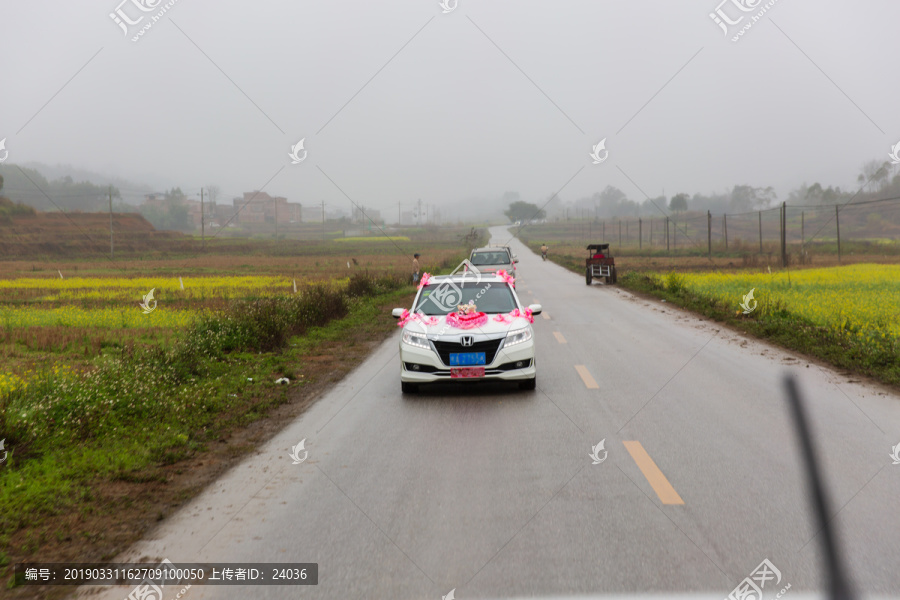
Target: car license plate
(466, 372)
(465, 359)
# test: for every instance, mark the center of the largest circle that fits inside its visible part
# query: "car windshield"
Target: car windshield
(500, 257)
(443, 297)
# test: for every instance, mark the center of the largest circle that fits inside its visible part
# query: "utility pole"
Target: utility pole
(110, 224)
(760, 232)
(202, 222)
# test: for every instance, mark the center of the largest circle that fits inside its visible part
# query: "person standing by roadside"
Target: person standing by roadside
(416, 268)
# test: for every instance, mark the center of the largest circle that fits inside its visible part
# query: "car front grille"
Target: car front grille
(489, 347)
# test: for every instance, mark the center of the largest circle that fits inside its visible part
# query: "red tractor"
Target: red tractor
(599, 264)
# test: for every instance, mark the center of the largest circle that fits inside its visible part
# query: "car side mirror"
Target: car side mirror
(397, 312)
(515, 260)
(536, 309)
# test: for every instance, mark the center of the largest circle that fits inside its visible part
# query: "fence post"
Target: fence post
(781, 230)
(709, 233)
(784, 234)
(760, 232)
(640, 234)
(667, 235)
(725, 230)
(110, 221)
(837, 220)
(802, 231)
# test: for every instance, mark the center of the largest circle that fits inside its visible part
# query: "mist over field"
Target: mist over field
(465, 109)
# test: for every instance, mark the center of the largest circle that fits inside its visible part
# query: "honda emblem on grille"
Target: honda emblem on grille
(466, 341)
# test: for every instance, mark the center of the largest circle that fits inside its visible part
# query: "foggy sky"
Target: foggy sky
(399, 101)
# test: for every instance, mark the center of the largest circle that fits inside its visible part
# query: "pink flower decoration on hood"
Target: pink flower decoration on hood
(424, 280)
(506, 276)
(468, 321)
(407, 316)
(515, 314)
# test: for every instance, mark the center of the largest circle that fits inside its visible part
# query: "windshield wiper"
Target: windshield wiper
(838, 585)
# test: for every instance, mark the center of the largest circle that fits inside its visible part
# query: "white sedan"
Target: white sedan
(464, 328)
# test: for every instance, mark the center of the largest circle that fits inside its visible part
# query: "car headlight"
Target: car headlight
(414, 339)
(517, 337)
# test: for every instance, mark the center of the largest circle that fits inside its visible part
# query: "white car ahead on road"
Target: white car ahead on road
(466, 328)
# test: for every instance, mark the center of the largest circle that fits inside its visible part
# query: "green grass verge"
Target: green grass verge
(875, 357)
(151, 406)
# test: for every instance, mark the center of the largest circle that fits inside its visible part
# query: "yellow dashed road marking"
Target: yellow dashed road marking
(586, 377)
(545, 315)
(658, 481)
(559, 337)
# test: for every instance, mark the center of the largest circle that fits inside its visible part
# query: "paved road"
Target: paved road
(493, 493)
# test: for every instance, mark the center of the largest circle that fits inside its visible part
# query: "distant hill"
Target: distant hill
(67, 188)
(55, 233)
(132, 192)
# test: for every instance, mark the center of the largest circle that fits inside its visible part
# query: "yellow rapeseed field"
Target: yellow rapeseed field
(59, 302)
(10, 382)
(111, 303)
(861, 300)
(118, 287)
(74, 316)
(246, 281)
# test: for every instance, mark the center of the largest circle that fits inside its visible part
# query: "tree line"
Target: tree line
(28, 186)
(876, 180)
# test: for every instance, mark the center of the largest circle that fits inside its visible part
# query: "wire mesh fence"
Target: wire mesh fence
(782, 230)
